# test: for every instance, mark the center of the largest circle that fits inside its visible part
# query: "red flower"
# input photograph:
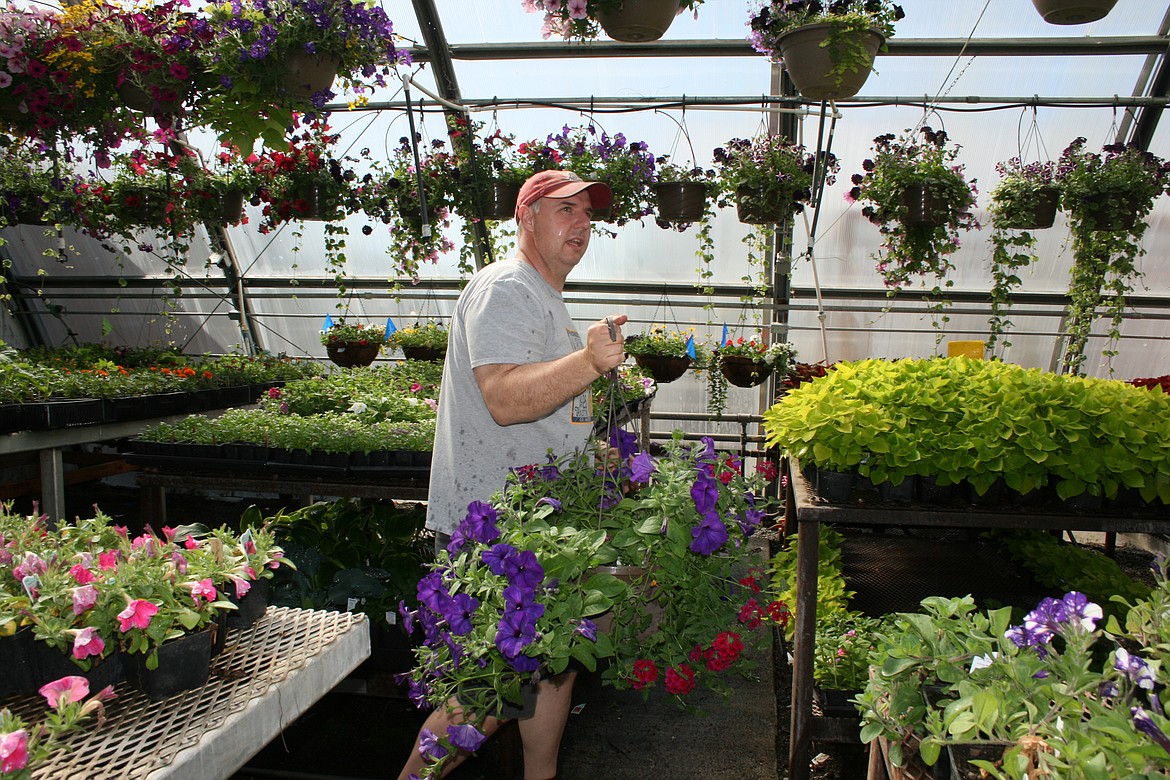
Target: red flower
(645, 673)
(778, 612)
(681, 681)
(750, 581)
(749, 614)
(767, 469)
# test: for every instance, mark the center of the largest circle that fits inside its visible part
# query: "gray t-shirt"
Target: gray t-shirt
(507, 314)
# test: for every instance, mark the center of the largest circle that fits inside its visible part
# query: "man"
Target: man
(515, 385)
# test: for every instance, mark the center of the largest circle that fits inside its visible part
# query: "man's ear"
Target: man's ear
(527, 218)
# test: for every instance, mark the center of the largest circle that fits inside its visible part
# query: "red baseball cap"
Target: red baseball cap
(562, 184)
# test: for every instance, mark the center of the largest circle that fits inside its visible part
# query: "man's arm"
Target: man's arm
(527, 392)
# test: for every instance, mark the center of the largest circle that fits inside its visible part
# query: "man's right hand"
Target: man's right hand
(606, 353)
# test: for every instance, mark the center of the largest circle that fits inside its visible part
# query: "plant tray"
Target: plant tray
(12, 418)
(64, 413)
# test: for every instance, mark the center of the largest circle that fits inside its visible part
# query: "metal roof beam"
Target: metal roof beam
(436, 41)
(907, 47)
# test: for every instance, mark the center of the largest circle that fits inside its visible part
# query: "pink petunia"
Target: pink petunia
(84, 597)
(31, 565)
(203, 589)
(108, 560)
(136, 615)
(66, 690)
(190, 543)
(80, 574)
(415, 387)
(243, 585)
(13, 751)
(578, 9)
(87, 642)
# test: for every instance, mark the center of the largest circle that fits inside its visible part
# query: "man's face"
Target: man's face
(561, 230)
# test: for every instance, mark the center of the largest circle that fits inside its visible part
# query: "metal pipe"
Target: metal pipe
(897, 47)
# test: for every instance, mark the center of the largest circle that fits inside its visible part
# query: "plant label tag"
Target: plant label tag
(391, 617)
(350, 604)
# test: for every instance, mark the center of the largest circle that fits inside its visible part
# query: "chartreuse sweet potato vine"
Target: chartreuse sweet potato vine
(963, 419)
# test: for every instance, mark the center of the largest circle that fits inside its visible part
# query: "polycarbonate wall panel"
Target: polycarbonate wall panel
(647, 255)
(493, 21)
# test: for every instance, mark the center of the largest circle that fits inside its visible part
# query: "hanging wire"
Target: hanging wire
(945, 88)
(681, 132)
(820, 175)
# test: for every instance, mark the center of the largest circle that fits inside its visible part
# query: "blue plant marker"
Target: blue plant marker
(691, 347)
(723, 341)
(328, 322)
(390, 328)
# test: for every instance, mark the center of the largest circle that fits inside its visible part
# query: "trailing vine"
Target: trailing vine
(1107, 197)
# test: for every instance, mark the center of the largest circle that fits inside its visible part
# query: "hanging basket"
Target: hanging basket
(149, 205)
(349, 354)
(231, 207)
(1109, 211)
(498, 200)
(1073, 11)
(637, 579)
(424, 353)
(681, 201)
(809, 62)
(312, 201)
(664, 368)
(1037, 215)
(921, 207)
(307, 74)
(138, 99)
(744, 372)
(638, 21)
(752, 209)
(22, 209)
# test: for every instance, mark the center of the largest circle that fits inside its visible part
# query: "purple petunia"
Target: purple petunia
(524, 663)
(1134, 668)
(407, 617)
(495, 557)
(429, 747)
(518, 598)
(750, 520)
(1145, 724)
(587, 628)
(523, 569)
(459, 611)
(1079, 610)
(466, 737)
(641, 467)
(480, 523)
(625, 442)
(432, 592)
(705, 493)
(514, 634)
(709, 535)
(1023, 636)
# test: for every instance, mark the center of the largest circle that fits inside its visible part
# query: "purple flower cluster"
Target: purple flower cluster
(628, 166)
(1039, 173)
(479, 525)
(777, 17)
(1052, 616)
